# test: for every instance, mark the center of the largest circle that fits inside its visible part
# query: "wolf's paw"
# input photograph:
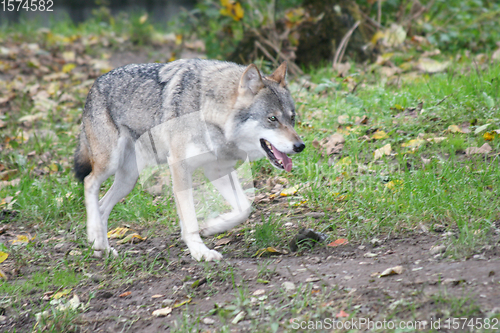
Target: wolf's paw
(200, 252)
(108, 251)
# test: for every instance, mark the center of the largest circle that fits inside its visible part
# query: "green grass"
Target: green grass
(43, 281)
(433, 184)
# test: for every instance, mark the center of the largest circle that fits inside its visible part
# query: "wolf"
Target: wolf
(189, 114)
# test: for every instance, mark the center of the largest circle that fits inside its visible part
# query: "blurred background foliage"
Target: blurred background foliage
(304, 32)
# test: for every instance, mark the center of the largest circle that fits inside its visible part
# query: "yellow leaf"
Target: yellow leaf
(118, 232)
(3, 256)
(385, 150)
(176, 305)
(269, 250)
(132, 238)
(61, 293)
(232, 9)
(378, 35)
(488, 136)
(289, 191)
(415, 143)
(393, 184)
(379, 135)
(345, 161)
(454, 129)
(69, 56)
(20, 239)
(3, 275)
(143, 18)
(299, 203)
(178, 39)
(68, 68)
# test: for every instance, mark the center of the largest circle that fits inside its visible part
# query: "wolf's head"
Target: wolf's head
(265, 117)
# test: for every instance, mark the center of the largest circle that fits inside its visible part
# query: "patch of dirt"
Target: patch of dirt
(346, 274)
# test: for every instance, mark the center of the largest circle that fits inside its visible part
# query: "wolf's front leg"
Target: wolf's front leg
(227, 183)
(183, 191)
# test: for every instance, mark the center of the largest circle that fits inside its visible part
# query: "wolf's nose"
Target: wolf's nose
(298, 147)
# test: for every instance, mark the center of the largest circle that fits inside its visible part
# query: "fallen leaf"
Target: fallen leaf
(162, 312)
(342, 314)
(415, 143)
(22, 239)
(393, 184)
(338, 242)
(379, 135)
(259, 292)
(385, 150)
(454, 129)
(176, 305)
(125, 294)
(343, 119)
(268, 250)
(289, 191)
(157, 296)
(3, 275)
(132, 238)
(481, 128)
(361, 120)
(489, 136)
(61, 293)
(3, 256)
(437, 139)
(484, 149)
(238, 318)
(5, 183)
(392, 271)
(118, 232)
(223, 241)
(334, 143)
(432, 66)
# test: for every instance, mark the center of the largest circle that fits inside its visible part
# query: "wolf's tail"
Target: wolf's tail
(82, 159)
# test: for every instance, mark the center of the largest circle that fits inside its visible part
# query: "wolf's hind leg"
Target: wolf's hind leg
(227, 183)
(125, 179)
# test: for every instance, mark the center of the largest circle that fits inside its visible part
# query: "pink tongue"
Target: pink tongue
(287, 161)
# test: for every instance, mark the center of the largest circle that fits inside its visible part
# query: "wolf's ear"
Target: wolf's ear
(251, 81)
(279, 74)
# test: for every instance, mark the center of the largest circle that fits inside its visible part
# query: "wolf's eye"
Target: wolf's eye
(293, 119)
(273, 118)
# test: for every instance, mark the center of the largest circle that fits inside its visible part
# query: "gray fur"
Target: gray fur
(189, 114)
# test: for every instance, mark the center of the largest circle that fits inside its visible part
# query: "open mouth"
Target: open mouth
(277, 158)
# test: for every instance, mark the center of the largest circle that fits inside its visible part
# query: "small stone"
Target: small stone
(452, 281)
(312, 279)
(315, 260)
(259, 292)
(370, 255)
(289, 286)
(167, 301)
(437, 249)
(208, 321)
(376, 242)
